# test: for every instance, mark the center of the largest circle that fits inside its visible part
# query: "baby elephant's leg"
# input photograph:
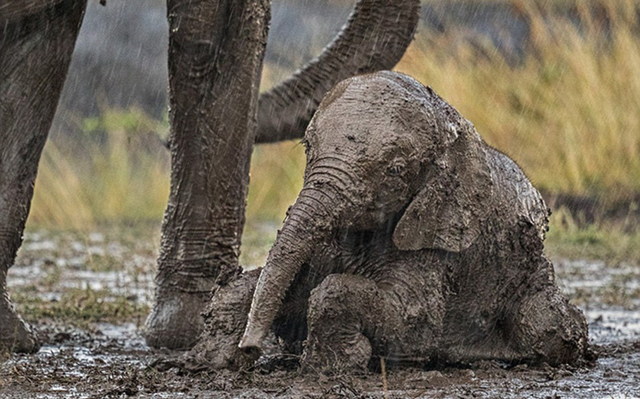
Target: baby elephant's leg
(351, 317)
(225, 318)
(548, 328)
(341, 310)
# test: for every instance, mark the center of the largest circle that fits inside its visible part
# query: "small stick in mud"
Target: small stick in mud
(383, 372)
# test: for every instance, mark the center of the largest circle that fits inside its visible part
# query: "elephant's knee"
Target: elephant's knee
(550, 328)
(336, 319)
(341, 297)
(343, 353)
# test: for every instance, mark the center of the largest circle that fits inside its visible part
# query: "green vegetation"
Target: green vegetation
(568, 114)
(81, 307)
(606, 241)
(117, 172)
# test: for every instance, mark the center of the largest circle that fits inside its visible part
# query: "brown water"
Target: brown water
(110, 359)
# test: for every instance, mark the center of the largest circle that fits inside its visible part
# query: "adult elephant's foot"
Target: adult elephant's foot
(15, 334)
(176, 321)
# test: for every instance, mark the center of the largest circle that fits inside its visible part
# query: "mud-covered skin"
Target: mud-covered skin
(216, 50)
(375, 38)
(225, 318)
(15, 334)
(422, 242)
(104, 360)
(36, 43)
(215, 61)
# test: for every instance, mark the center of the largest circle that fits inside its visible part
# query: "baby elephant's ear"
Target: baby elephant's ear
(449, 211)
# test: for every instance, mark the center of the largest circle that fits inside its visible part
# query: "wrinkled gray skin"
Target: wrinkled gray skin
(216, 50)
(411, 239)
(36, 42)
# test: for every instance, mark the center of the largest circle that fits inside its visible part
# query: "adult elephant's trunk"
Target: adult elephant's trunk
(308, 222)
(374, 39)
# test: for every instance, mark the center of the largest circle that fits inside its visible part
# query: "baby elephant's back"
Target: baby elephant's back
(505, 258)
(515, 198)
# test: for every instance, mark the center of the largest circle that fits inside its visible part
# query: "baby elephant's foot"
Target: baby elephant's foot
(224, 321)
(338, 320)
(336, 354)
(15, 334)
(550, 329)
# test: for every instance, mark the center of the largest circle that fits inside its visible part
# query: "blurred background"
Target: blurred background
(555, 84)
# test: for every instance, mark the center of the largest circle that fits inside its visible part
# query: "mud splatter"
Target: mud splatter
(110, 360)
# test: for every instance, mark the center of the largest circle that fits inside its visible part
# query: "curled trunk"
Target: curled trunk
(375, 38)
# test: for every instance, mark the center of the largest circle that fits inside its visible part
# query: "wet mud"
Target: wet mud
(89, 358)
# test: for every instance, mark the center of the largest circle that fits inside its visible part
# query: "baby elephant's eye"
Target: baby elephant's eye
(396, 168)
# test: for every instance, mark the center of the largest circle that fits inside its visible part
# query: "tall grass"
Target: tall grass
(118, 173)
(568, 114)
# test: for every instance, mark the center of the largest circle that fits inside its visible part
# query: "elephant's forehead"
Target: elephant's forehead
(363, 111)
(373, 137)
(361, 125)
(371, 115)
(384, 84)
(373, 101)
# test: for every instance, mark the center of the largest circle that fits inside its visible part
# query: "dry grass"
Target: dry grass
(568, 114)
(119, 174)
(276, 179)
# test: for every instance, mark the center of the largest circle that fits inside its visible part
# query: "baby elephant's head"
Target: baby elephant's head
(383, 145)
(383, 152)
(364, 161)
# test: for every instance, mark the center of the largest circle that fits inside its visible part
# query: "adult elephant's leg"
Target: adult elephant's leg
(216, 49)
(352, 318)
(35, 50)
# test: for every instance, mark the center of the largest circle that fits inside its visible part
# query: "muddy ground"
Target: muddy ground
(88, 295)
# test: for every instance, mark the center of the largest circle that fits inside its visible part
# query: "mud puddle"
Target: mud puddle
(92, 348)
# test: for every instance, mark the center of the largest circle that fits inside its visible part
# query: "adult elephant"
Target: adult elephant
(36, 43)
(216, 50)
(411, 239)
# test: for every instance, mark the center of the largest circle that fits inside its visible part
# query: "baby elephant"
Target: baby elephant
(412, 240)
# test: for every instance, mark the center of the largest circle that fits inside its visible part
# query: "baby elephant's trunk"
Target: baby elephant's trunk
(308, 223)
